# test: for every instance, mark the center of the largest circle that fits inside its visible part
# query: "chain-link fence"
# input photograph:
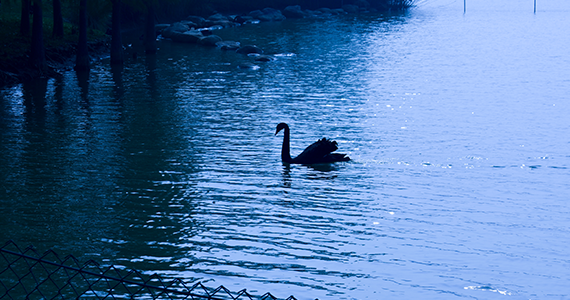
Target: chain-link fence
(25, 274)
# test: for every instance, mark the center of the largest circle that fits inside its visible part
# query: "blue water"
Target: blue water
(457, 125)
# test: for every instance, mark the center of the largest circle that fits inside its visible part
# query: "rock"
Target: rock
(293, 12)
(209, 40)
(311, 13)
(247, 49)
(267, 15)
(160, 27)
(255, 14)
(248, 65)
(228, 45)
(271, 14)
(218, 17)
(322, 13)
(362, 3)
(222, 23)
(174, 28)
(349, 8)
(190, 24)
(263, 58)
(187, 37)
(242, 19)
(199, 21)
(338, 11)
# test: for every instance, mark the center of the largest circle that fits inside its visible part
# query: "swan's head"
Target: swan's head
(281, 126)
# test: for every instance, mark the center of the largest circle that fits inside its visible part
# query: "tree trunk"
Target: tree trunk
(25, 18)
(150, 31)
(37, 53)
(57, 19)
(117, 56)
(82, 58)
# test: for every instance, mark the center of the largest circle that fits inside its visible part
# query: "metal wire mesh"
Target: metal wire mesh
(25, 274)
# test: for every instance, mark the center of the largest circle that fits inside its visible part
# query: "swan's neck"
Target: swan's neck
(285, 150)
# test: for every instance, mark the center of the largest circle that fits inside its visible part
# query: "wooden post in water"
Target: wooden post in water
(465, 5)
(535, 6)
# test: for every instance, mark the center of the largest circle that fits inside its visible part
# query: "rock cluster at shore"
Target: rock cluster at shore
(199, 30)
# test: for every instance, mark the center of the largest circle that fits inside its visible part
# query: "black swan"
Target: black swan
(317, 153)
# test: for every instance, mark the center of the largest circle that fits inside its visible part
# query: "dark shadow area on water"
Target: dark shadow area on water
(315, 171)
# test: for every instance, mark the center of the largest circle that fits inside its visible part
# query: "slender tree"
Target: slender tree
(25, 18)
(150, 31)
(37, 53)
(82, 56)
(117, 56)
(57, 19)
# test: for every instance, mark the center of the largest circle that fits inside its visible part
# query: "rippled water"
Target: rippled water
(457, 125)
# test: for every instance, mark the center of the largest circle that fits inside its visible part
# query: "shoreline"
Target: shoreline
(17, 70)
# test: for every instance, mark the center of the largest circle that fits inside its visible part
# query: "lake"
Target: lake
(457, 126)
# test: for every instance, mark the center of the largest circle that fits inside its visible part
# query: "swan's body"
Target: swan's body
(317, 153)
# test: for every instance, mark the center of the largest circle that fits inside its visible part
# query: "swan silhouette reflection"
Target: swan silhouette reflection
(315, 172)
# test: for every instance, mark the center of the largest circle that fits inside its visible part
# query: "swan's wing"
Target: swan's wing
(317, 151)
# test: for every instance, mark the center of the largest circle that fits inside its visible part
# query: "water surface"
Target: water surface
(457, 125)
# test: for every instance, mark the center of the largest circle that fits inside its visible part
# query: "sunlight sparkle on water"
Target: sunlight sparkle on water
(488, 289)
